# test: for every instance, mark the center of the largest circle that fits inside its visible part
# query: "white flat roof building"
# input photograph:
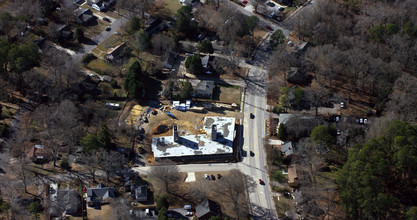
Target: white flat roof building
(217, 140)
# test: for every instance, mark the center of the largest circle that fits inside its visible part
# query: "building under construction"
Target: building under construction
(216, 144)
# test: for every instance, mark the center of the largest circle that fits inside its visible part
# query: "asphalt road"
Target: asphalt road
(253, 134)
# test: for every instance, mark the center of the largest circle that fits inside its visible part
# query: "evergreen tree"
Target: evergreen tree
(282, 132)
(133, 82)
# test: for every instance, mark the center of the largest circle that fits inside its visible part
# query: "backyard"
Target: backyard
(227, 94)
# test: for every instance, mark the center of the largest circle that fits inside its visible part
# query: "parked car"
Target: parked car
(261, 182)
(281, 9)
(244, 2)
(219, 176)
(117, 33)
(269, 28)
(213, 177)
(206, 176)
(189, 214)
(287, 195)
(252, 154)
(106, 19)
(187, 207)
(342, 105)
(270, 4)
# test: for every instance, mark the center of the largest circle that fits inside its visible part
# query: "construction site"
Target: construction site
(187, 136)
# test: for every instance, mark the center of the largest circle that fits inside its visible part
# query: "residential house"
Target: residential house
(204, 89)
(292, 174)
(84, 16)
(170, 60)
(140, 193)
(154, 26)
(68, 201)
(65, 32)
(205, 61)
(114, 53)
(99, 195)
(297, 76)
(207, 209)
(287, 149)
(38, 154)
(100, 5)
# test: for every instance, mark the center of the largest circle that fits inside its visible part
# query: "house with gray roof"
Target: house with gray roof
(204, 89)
(287, 149)
(100, 194)
(207, 209)
(67, 201)
(84, 16)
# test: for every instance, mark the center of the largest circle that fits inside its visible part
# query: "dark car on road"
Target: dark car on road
(252, 154)
(252, 116)
(108, 28)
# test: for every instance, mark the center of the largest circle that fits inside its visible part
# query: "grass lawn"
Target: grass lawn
(110, 42)
(227, 94)
(95, 28)
(167, 8)
(99, 214)
(101, 67)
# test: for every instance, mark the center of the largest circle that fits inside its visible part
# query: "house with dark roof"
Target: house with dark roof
(113, 53)
(154, 26)
(207, 209)
(65, 32)
(83, 16)
(297, 76)
(68, 201)
(99, 195)
(204, 89)
(170, 60)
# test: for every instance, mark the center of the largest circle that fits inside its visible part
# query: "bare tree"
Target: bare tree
(121, 209)
(162, 43)
(165, 175)
(403, 100)
(200, 189)
(111, 162)
(134, 7)
(235, 187)
(91, 161)
(257, 4)
(316, 94)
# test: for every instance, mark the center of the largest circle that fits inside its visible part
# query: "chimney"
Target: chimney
(175, 133)
(214, 132)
